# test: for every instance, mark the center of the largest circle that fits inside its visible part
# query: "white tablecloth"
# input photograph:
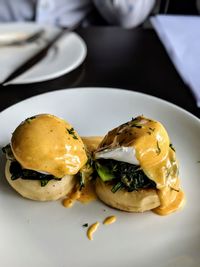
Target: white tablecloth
(180, 36)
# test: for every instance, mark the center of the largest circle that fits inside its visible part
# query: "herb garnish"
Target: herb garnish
(134, 119)
(135, 123)
(172, 147)
(177, 190)
(123, 175)
(28, 120)
(44, 182)
(168, 172)
(18, 172)
(152, 129)
(72, 132)
(117, 186)
(85, 173)
(81, 179)
(8, 151)
(158, 150)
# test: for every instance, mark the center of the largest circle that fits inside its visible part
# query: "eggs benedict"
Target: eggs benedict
(137, 168)
(43, 157)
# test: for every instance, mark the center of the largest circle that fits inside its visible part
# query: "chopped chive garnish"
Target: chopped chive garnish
(172, 147)
(28, 120)
(116, 187)
(72, 132)
(158, 150)
(152, 129)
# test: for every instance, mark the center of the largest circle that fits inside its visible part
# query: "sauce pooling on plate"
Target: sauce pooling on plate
(110, 220)
(87, 193)
(91, 230)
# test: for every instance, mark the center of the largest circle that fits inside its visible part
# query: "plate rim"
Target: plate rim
(103, 88)
(86, 89)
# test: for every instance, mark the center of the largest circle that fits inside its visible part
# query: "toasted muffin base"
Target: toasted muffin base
(32, 189)
(136, 201)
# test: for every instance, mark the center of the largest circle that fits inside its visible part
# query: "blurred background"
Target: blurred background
(93, 12)
(158, 54)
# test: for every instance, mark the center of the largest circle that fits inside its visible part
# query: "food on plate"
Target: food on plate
(92, 228)
(84, 192)
(110, 220)
(137, 168)
(43, 158)
(136, 165)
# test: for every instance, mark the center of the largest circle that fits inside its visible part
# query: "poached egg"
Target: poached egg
(145, 142)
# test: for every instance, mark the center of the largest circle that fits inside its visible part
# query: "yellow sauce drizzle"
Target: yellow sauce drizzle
(171, 198)
(68, 203)
(91, 230)
(87, 194)
(175, 205)
(92, 142)
(71, 198)
(110, 220)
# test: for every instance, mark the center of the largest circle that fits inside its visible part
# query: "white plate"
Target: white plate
(64, 56)
(47, 234)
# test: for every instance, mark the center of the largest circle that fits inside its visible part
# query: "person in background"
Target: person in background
(66, 13)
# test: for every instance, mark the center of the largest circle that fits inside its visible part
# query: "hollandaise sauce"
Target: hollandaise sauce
(174, 205)
(87, 193)
(91, 142)
(46, 143)
(91, 230)
(110, 220)
(156, 156)
(68, 202)
(71, 198)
